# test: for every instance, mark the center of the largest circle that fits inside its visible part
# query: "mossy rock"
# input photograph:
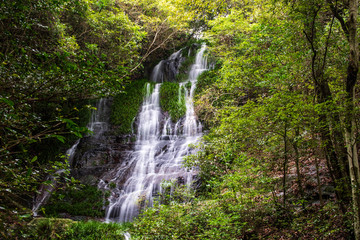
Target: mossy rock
(126, 106)
(171, 102)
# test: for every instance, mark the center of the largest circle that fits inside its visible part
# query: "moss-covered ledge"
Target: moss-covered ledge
(172, 100)
(126, 106)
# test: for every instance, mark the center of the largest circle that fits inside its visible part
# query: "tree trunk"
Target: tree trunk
(350, 135)
(330, 134)
(329, 146)
(319, 182)
(297, 162)
(285, 165)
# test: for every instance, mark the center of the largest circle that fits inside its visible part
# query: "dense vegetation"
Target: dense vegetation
(84, 201)
(67, 229)
(56, 56)
(280, 158)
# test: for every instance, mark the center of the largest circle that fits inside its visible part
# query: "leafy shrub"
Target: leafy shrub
(93, 230)
(55, 228)
(86, 201)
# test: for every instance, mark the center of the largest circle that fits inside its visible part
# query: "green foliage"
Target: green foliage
(93, 230)
(54, 54)
(324, 222)
(57, 228)
(172, 100)
(222, 218)
(85, 201)
(49, 228)
(260, 102)
(51, 148)
(174, 193)
(207, 99)
(112, 185)
(126, 106)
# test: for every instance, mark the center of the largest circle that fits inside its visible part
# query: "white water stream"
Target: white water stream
(159, 149)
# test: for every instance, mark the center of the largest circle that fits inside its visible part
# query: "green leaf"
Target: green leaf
(60, 138)
(25, 216)
(34, 159)
(28, 173)
(77, 134)
(7, 101)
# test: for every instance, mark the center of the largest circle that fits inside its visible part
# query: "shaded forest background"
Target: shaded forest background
(279, 159)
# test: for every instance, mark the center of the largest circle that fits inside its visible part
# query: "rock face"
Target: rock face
(103, 151)
(166, 70)
(96, 156)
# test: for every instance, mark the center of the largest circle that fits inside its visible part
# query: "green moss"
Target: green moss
(126, 106)
(188, 85)
(170, 100)
(86, 201)
(184, 69)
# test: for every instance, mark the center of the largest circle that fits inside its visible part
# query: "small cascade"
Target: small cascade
(191, 126)
(99, 118)
(157, 73)
(159, 149)
(166, 70)
(124, 206)
(45, 190)
(98, 125)
(127, 236)
(71, 152)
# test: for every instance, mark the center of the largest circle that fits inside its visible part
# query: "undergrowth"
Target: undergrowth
(52, 228)
(86, 201)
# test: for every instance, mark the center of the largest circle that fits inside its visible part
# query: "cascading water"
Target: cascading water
(99, 118)
(98, 124)
(159, 149)
(166, 70)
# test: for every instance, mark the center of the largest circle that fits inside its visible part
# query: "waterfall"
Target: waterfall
(99, 121)
(98, 124)
(166, 70)
(159, 148)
